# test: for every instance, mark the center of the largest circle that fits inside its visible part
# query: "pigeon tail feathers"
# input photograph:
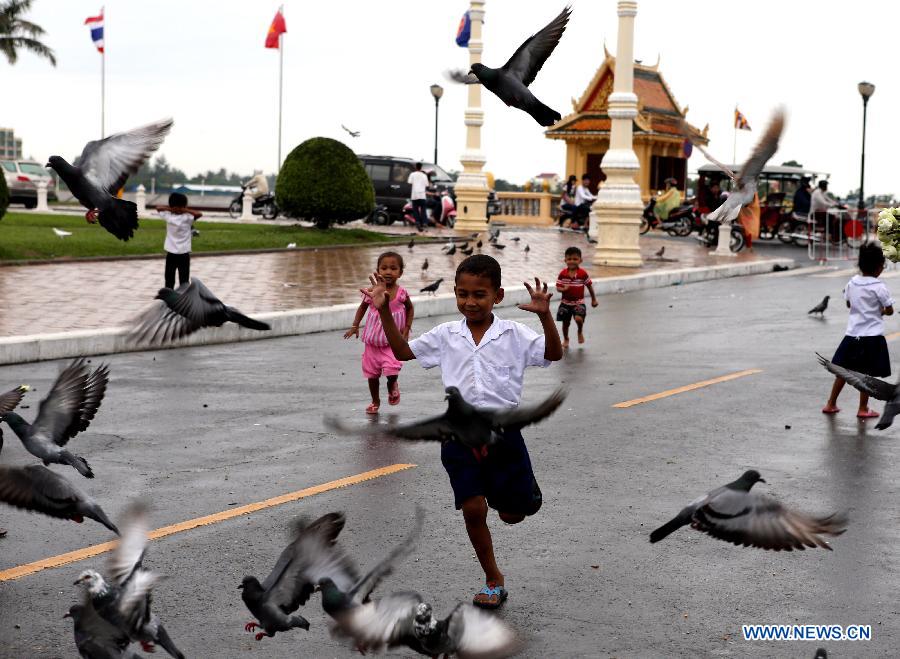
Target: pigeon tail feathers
(236, 316)
(544, 115)
(162, 637)
(78, 462)
(669, 527)
(96, 513)
(119, 218)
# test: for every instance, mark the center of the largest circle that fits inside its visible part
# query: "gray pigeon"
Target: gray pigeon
(312, 556)
(660, 252)
(95, 638)
(467, 251)
(185, 311)
(515, 239)
(412, 243)
(67, 410)
(744, 184)
(877, 389)
(432, 287)
(8, 402)
(734, 514)
(125, 602)
(820, 308)
(40, 490)
(102, 169)
(474, 427)
(424, 265)
(510, 82)
(452, 250)
(527, 249)
(498, 245)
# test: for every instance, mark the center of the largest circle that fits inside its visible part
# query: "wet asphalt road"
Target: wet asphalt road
(201, 430)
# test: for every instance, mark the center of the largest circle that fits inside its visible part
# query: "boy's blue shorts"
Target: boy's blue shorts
(504, 477)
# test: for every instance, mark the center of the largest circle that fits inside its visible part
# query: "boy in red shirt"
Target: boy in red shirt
(571, 282)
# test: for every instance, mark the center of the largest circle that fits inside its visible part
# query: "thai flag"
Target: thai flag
(96, 25)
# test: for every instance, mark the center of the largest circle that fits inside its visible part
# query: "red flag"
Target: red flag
(276, 29)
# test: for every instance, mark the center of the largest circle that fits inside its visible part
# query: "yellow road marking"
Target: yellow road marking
(215, 518)
(688, 387)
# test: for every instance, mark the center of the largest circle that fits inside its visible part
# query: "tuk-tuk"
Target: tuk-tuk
(777, 185)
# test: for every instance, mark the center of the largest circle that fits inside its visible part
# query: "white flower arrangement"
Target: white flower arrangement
(889, 233)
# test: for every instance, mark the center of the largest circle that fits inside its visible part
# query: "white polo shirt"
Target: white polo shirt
(178, 232)
(867, 296)
(490, 374)
(419, 182)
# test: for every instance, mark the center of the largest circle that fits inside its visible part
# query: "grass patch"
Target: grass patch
(30, 236)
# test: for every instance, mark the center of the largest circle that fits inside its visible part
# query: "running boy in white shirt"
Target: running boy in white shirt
(179, 231)
(485, 357)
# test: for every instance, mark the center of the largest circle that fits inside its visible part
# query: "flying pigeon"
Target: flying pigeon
(467, 252)
(125, 602)
(734, 514)
(425, 265)
(61, 233)
(66, 411)
(432, 287)
(40, 490)
(660, 252)
(353, 133)
(312, 556)
(877, 389)
(95, 638)
(745, 183)
(472, 426)
(510, 82)
(451, 251)
(820, 308)
(180, 313)
(102, 169)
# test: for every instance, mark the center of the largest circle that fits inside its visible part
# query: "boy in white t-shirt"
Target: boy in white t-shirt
(485, 358)
(179, 231)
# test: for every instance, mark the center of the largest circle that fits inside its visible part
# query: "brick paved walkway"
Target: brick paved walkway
(87, 295)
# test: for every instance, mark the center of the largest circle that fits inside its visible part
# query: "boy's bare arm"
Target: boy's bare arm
(590, 288)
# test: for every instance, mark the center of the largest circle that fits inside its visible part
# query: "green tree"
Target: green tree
(16, 33)
(322, 180)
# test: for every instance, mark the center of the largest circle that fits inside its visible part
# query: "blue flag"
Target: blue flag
(464, 31)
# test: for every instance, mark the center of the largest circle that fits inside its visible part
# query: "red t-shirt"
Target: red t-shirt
(575, 293)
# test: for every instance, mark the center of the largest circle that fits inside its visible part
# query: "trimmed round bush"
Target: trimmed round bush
(323, 181)
(4, 195)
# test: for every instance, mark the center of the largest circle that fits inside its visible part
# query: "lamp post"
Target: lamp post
(437, 91)
(866, 89)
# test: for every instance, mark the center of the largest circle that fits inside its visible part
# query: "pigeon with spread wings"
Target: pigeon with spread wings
(185, 311)
(102, 169)
(510, 82)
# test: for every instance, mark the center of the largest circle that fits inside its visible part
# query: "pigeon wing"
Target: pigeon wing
(62, 406)
(197, 303)
(102, 639)
(435, 429)
(93, 392)
(755, 520)
(108, 163)
(386, 622)
(460, 76)
(11, 399)
(764, 149)
(125, 561)
(158, 324)
(877, 389)
(38, 489)
(363, 589)
(525, 415)
(531, 55)
(479, 635)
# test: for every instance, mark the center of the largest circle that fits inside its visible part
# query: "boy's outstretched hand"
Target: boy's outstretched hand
(540, 298)
(378, 290)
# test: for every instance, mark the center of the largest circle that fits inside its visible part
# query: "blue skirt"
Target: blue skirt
(865, 354)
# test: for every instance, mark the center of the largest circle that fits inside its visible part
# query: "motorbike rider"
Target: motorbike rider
(258, 185)
(668, 200)
(583, 200)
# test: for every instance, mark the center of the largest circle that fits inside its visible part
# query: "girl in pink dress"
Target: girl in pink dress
(377, 359)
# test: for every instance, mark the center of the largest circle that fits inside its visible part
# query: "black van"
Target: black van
(389, 176)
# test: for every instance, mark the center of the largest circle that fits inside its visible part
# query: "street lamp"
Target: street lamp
(866, 89)
(437, 91)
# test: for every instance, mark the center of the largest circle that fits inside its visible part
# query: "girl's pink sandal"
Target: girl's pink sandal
(868, 414)
(372, 408)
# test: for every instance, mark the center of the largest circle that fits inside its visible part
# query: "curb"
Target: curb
(83, 343)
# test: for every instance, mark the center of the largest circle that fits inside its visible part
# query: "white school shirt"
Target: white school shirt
(490, 374)
(583, 194)
(178, 232)
(419, 182)
(867, 296)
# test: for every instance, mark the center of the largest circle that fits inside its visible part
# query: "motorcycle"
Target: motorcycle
(709, 237)
(264, 206)
(577, 218)
(447, 216)
(679, 223)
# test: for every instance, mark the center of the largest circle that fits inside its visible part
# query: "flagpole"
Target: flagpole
(103, 78)
(280, 87)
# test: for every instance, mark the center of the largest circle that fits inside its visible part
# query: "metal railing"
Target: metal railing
(836, 234)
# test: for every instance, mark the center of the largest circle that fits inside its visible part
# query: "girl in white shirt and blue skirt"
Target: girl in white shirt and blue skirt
(863, 347)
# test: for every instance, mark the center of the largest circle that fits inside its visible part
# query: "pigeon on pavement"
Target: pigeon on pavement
(61, 233)
(479, 244)
(820, 308)
(451, 251)
(660, 252)
(102, 169)
(527, 249)
(734, 514)
(66, 411)
(515, 239)
(510, 82)
(125, 603)
(877, 389)
(472, 426)
(353, 133)
(412, 243)
(467, 252)
(498, 245)
(95, 638)
(38, 489)
(180, 313)
(425, 265)
(312, 556)
(432, 287)
(745, 182)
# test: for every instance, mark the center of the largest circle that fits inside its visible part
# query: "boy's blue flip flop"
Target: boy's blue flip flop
(491, 596)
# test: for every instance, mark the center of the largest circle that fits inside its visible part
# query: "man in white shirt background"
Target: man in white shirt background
(583, 200)
(819, 203)
(419, 182)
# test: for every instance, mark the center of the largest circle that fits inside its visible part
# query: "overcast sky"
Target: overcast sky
(369, 64)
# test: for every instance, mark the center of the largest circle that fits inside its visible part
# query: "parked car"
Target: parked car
(22, 177)
(389, 175)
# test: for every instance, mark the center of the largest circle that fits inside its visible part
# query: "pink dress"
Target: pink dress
(378, 358)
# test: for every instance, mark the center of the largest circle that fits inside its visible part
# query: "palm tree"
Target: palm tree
(16, 32)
